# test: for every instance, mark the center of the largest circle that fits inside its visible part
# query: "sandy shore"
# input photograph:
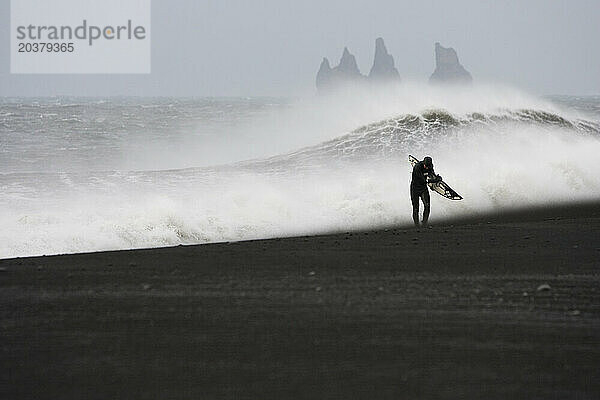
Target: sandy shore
(502, 306)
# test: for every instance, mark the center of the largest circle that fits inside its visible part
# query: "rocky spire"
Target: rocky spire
(346, 73)
(447, 67)
(324, 75)
(383, 64)
(347, 65)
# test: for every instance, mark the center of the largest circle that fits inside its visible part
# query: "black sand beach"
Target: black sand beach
(502, 306)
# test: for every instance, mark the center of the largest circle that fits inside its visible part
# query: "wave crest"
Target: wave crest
(415, 132)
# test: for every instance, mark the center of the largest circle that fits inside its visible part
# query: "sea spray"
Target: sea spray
(498, 150)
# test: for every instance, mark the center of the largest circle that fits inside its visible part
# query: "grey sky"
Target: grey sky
(274, 47)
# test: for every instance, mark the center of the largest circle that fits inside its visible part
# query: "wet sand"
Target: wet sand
(503, 306)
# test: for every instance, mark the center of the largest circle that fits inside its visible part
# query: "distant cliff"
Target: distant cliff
(447, 67)
(347, 72)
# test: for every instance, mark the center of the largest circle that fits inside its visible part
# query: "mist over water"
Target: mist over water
(90, 174)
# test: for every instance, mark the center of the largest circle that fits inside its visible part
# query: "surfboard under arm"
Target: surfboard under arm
(440, 187)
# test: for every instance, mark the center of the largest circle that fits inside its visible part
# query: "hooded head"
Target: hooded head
(428, 162)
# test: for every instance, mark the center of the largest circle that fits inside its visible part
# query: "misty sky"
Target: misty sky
(274, 47)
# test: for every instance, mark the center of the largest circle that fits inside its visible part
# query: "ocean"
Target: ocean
(92, 174)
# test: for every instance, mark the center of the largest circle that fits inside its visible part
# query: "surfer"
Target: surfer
(418, 188)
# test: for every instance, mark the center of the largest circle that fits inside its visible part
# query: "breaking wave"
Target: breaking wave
(392, 137)
(510, 157)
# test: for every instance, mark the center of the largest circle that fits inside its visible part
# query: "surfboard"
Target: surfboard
(440, 187)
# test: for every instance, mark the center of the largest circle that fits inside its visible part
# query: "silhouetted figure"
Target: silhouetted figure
(422, 174)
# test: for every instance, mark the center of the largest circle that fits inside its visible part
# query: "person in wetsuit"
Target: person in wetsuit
(422, 174)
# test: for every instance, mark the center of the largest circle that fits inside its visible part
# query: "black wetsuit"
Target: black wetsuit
(419, 189)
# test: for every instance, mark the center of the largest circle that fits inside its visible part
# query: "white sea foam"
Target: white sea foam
(497, 147)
